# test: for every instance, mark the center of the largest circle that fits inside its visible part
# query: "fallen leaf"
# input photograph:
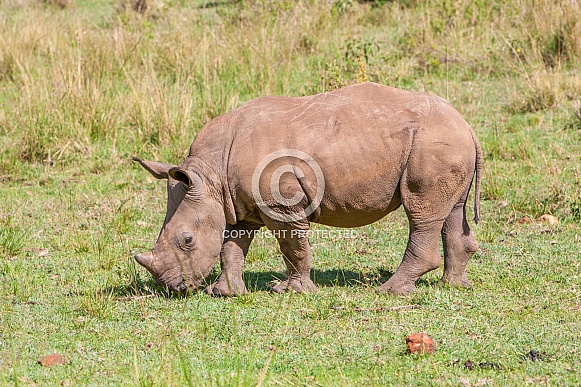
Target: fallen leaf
(524, 219)
(465, 381)
(549, 219)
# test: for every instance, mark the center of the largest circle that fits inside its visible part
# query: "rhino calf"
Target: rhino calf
(345, 158)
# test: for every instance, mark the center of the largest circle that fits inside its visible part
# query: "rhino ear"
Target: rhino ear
(158, 170)
(189, 178)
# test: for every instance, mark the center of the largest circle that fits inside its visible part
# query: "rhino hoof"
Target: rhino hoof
(221, 289)
(280, 288)
(455, 283)
(401, 290)
(296, 285)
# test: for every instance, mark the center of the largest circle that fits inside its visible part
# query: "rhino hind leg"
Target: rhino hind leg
(429, 195)
(234, 249)
(421, 256)
(459, 246)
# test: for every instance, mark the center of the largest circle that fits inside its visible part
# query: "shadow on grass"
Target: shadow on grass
(264, 281)
(216, 4)
(138, 289)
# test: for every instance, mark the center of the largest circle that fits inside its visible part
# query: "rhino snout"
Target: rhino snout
(175, 281)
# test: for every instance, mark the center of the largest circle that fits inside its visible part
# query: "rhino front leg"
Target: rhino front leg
(296, 251)
(236, 243)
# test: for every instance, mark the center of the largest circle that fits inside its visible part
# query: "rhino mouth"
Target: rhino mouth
(185, 287)
(173, 278)
(180, 284)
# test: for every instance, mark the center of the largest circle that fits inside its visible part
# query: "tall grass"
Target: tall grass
(76, 88)
(140, 82)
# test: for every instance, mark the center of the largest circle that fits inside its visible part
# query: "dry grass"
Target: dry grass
(133, 79)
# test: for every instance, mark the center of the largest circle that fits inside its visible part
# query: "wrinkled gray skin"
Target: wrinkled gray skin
(378, 148)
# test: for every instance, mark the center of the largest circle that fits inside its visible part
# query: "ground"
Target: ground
(87, 85)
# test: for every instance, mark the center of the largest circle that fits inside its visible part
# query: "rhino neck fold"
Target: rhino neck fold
(209, 154)
(211, 175)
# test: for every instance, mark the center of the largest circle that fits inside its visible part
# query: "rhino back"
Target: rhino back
(360, 137)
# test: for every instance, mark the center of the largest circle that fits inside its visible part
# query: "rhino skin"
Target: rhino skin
(377, 148)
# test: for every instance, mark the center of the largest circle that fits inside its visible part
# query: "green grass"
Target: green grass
(84, 88)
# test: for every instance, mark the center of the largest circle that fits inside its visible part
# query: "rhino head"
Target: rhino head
(191, 237)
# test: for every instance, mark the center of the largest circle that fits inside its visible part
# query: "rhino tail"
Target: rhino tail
(477, 176)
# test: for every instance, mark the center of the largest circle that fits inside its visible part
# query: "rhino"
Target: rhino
(344, 158)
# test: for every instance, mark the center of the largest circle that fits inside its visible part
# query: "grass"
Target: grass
(85, 85)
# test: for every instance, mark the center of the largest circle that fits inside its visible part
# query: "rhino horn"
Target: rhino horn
(144, 259)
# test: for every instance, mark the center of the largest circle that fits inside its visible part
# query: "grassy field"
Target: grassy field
(85, 85)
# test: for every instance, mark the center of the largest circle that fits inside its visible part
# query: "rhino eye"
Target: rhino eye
(188, 239)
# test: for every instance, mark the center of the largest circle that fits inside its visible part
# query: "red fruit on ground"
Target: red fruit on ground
(420, 343)
(52, 359)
